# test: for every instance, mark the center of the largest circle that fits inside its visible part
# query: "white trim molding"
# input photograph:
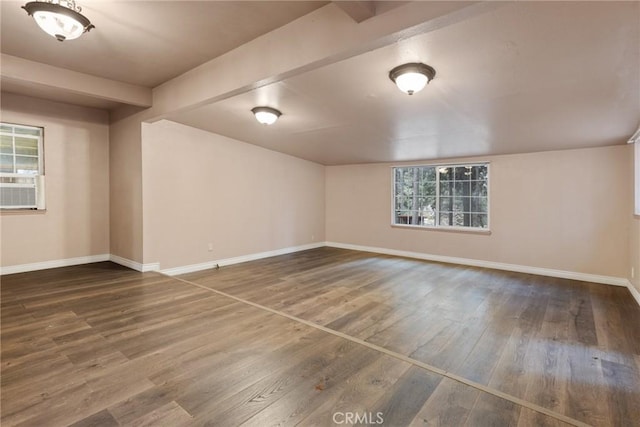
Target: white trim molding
(239, 259)
(22, 268)
(134, 265)
(585, 277)
(634, 292)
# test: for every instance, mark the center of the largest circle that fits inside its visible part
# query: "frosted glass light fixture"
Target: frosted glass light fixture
(413, 77)
(266, 115)
(59, 18)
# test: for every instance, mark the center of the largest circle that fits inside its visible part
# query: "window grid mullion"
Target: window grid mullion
(13, 145)
(437, 221)
(14, 153)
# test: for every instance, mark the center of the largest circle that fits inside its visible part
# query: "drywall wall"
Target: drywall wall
(76, 161)
(563, 210)
(634, 227)
(201, 188)
(634, 249)
(125, 174)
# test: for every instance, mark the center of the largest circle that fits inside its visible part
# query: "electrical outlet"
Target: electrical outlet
(313, 238)
(633, 273)
(210, 247)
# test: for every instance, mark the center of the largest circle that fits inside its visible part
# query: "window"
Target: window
(21, 167)
(452, 196)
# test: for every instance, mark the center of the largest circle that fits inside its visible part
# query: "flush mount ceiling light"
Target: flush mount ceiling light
(413, 77)
(59, 18)
(266, 115)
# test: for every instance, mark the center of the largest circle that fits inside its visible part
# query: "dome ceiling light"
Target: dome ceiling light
(413, 77)
(266, 115)
(59, 18)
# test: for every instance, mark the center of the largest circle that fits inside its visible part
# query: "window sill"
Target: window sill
(22, 211)
(484, 231)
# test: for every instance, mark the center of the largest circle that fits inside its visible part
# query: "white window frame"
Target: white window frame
(36, 179)
(40, 147)
(438, 227)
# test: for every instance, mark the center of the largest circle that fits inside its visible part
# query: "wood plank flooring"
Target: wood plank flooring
(103, 345)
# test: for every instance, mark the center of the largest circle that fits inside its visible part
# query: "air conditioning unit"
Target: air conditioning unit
(20, 191)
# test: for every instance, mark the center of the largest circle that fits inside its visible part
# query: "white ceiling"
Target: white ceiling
(526, 77)
(147, 42)
(522, 77)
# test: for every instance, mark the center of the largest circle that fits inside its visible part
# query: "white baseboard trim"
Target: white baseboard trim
(134, 265)
(634, 291)
(585, 277)
(239, 259)
(23, 268)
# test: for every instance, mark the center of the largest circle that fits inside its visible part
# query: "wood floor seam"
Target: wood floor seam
(414, 362)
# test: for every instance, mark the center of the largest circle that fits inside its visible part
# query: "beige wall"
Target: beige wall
(202, 188)
(635, 251)
(76, 221)
(125, 173)
(634, 231)
(564, 210)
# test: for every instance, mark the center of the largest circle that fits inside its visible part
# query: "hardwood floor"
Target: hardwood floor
(312, 337)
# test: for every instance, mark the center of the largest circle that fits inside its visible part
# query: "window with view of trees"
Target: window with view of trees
(21, 167)
(442, 196)
(20, 149)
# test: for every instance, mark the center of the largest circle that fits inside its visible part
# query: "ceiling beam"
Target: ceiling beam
(358, 10)
(28, 75)
(329, 36)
